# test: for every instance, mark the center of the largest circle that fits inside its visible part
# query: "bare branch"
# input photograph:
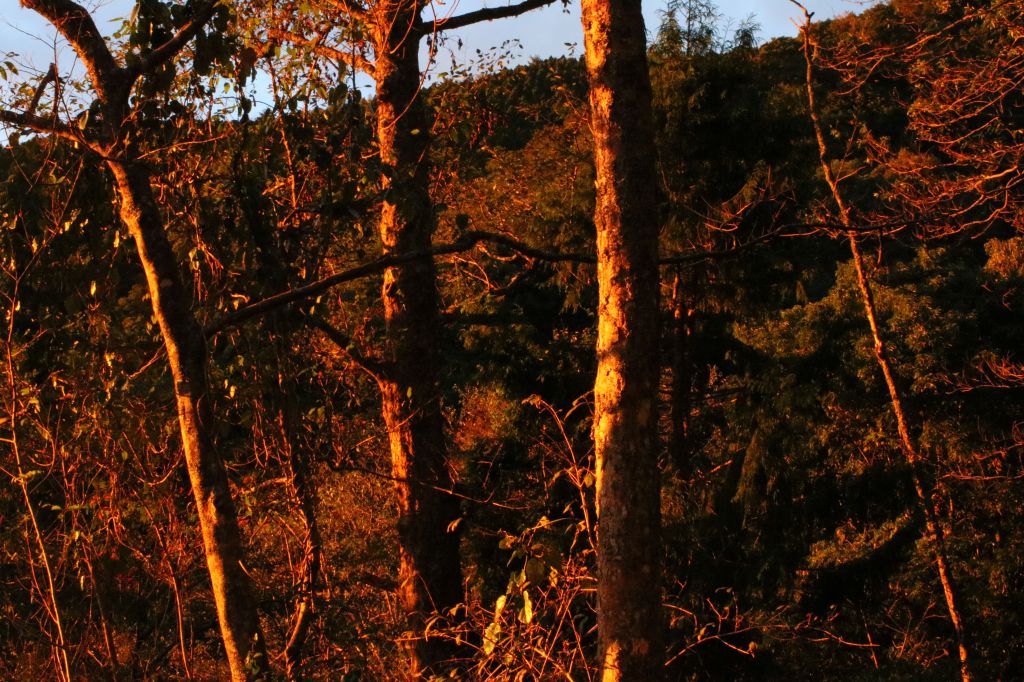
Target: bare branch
(374, 368)
(720, 254)
(480, 15)
(464, 243)
(50, 77)
(531, 251)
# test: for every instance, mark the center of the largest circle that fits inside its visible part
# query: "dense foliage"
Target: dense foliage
(794, 544)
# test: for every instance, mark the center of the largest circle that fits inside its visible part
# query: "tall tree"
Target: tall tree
(113, 139)
(430, 577)
(924, 490)
(625, 414)
(430, 573)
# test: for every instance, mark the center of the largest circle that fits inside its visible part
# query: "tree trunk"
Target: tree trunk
(182, 335)
(312, 548)
(682, 379)
(625, 430)
(932, 516)
(922, 488)
(430, 574)
(280, 399)
(187, 357)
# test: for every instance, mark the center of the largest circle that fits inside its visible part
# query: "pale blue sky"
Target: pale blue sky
(541, 33)
(544, 32)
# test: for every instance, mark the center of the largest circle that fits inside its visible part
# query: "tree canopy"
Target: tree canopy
(305, 388)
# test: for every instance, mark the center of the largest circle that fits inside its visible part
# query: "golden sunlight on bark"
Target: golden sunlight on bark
(628, 496)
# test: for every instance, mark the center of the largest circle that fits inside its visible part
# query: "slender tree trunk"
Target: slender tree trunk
(682, 379)
(48, 595)
(187, 357)
(309, 570)
(625, 432)
(430, 574)
(923, 490)
(280, 399)
(183, 338)
(99, 589)
(933, 523)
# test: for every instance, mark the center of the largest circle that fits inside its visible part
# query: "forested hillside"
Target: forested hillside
(300, 384)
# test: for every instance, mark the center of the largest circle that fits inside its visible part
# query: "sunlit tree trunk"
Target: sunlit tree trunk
(184, 343)
(187, 358)
(430, 574)
(625, 415)
(430, 571)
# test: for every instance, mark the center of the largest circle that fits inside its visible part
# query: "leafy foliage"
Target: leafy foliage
(794, 545)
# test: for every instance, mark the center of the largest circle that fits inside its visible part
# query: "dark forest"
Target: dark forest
(697, 357)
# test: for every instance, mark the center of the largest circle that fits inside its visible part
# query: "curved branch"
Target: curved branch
(40, 124)
(50, 77)
(464, 243)
(77, 26)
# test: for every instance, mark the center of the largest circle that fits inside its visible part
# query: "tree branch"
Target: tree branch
(44, 125)
(464, 243)
(353, 8)
(344, 343)
(477, 16)
(77, 26)
(354, 59)
(50, 77)
(530, 251)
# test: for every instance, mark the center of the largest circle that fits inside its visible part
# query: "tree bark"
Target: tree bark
(187, 358)
(625, 431)
(430, 574)
(182, 335)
